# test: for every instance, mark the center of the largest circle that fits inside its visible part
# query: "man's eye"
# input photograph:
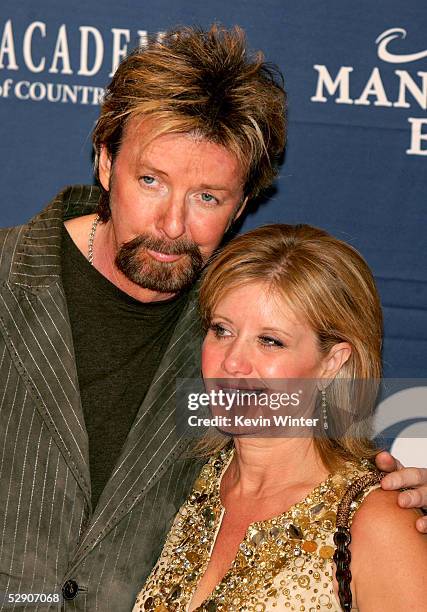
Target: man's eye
(269, 341)
(208, 197)
(147, 179)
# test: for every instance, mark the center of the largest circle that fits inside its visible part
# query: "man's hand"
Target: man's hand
(402, 477)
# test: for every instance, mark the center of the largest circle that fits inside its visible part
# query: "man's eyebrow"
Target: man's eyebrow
(214, 187)
(143, 165)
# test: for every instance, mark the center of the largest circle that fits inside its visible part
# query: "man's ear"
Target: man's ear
(240, 209)
(336, 358)
(237, 214)
(104, 171)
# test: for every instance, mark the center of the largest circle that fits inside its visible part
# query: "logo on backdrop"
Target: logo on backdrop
(412, 89)
(400, 422)
(384, 54)
(69, 52)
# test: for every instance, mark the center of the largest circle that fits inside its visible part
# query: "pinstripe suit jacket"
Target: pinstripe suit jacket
(48, 531)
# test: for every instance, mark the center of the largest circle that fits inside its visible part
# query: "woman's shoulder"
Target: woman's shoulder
(389, 555)
(380, 520)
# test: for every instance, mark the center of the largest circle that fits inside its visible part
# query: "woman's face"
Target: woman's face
(258, 358)
(254, 335)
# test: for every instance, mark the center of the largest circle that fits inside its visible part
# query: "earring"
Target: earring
(324, 410)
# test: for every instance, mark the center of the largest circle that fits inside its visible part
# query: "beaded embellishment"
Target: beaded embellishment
(282, 563)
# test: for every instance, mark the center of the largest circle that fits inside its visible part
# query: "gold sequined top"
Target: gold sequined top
(283, 563)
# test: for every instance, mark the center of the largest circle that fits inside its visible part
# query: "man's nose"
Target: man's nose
(171, 219)
(237, 360)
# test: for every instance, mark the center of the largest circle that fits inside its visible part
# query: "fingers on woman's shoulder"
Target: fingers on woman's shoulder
(385, 461)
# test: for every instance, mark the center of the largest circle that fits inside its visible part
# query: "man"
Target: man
(98, 320)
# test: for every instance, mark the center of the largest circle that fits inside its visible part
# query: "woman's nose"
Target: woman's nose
(236, 360)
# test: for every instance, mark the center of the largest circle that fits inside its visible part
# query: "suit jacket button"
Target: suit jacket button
(70, 589)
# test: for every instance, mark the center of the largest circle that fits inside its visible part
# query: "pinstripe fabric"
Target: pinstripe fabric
(48, 530)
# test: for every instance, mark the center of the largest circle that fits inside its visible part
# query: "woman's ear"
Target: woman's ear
(336, 358)
(104, 171)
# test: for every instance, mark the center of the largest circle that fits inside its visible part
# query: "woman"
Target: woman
(285, 303)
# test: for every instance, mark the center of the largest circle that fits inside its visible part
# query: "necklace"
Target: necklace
(91, 239)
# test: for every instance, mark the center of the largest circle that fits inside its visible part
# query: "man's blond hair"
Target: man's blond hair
(204, 83)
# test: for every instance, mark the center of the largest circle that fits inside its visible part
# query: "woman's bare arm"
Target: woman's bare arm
(389, 556)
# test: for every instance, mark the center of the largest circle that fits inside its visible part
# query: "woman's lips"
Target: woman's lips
(242, 387)
(163, 256)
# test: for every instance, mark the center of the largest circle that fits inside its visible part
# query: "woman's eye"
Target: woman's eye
(269, 341)
(218, 330)
(208, 198)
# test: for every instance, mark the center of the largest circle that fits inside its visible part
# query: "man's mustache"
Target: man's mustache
(180, 246)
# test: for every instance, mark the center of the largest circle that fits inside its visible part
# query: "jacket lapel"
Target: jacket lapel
(36, 327)
(153, 443)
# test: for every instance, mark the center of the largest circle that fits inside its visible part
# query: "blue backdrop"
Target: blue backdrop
(356, 161)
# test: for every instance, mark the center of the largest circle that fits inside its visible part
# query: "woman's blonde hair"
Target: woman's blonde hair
(327, 283)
